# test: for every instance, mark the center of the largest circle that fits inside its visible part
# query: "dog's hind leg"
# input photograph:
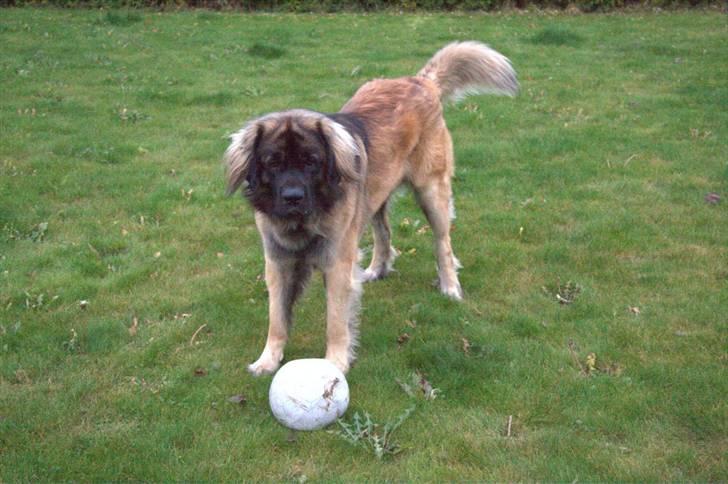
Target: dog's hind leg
(436, 202)
(285, 280)
(384, 254)
(433, 189)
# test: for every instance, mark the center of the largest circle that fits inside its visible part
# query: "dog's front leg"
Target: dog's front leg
(285, 279)
(343, 290)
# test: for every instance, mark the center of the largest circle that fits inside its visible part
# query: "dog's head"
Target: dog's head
(292, 164)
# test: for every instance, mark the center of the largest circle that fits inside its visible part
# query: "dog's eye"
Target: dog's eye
(311, 159)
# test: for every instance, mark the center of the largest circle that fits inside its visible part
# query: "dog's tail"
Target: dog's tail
(463, 68)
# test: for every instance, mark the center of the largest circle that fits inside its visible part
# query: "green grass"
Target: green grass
(113, 127)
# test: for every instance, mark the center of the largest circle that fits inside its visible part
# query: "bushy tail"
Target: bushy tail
(464, 68)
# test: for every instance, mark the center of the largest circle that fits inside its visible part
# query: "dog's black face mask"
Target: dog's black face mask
(292, 174)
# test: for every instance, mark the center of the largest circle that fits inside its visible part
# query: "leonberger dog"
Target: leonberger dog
(315, 181)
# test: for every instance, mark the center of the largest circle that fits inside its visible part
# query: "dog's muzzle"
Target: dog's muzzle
(293, 200)
(293, 195)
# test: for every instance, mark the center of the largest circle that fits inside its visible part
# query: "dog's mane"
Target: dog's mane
(353, 124)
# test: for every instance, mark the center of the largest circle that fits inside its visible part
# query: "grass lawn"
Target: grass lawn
(591, 184)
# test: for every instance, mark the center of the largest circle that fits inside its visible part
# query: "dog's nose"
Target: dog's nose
(292, 195)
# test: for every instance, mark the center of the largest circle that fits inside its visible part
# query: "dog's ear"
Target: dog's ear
(241, 156)
(342, 151)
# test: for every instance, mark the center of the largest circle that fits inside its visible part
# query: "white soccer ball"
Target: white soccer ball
(308, 394)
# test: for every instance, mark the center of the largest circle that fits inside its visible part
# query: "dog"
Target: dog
(315, 181)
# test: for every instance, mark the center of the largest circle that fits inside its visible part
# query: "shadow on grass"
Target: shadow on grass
(556, 35)
(266, 51)
(121, 18)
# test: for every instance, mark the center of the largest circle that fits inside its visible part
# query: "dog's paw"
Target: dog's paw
(342, 363)
(453, 291)
(380, 270)
(265, 365)
(370, 274)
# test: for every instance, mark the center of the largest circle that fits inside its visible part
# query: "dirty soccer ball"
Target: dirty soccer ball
(308, 394)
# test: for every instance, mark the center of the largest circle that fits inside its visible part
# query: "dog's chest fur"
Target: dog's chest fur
(297, 240)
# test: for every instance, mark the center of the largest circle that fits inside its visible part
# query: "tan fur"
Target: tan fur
(464, 68)
(408, 141)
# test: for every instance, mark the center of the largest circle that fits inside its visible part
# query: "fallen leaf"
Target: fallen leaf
(134, 326)
(403, 338)
(200, 371)
(429, 392)
(239, 399)
(634, 310)
(416, 385)
(712, 198)
(613, 369)
(21, 376)
(697, 134)
(591, 363)
(567, 293)
(466, 345)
